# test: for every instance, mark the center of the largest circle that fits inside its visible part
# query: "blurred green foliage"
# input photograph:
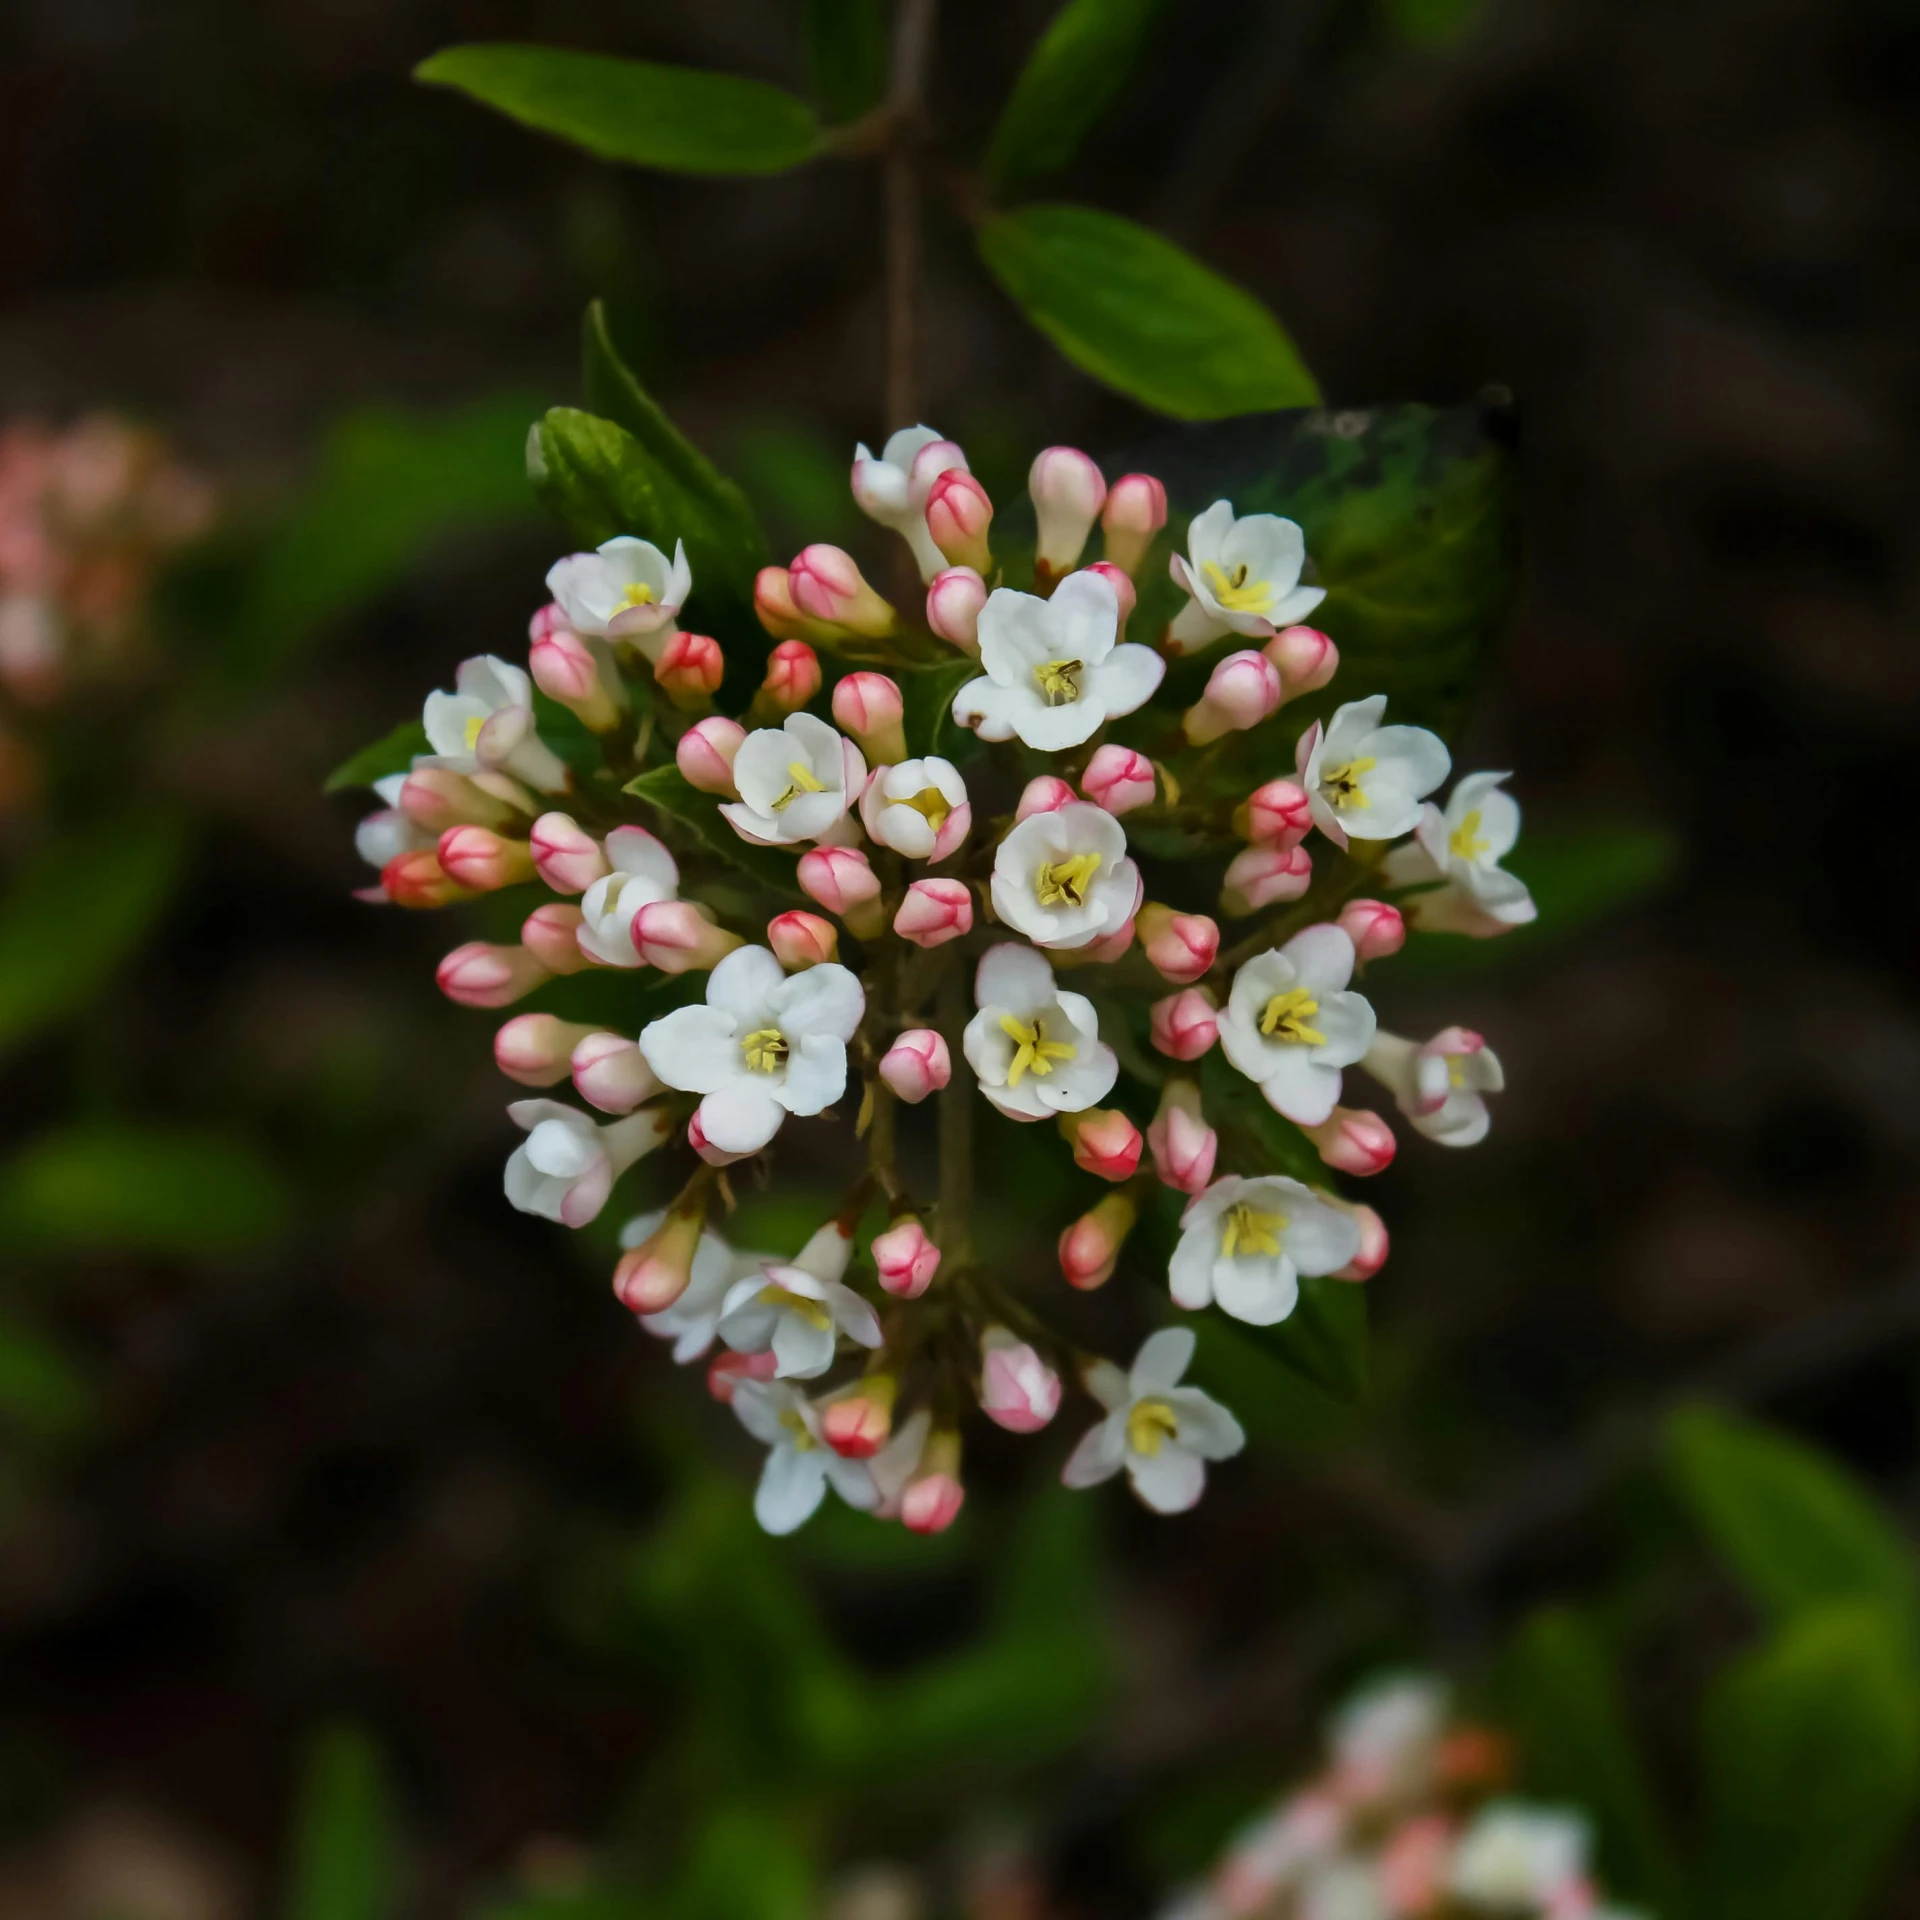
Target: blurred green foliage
(345, 1853)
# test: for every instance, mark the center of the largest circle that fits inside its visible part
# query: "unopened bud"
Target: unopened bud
(840, 879)
(1277, 814)
(934, 1496)
(436, 798)
(417, 879)
(1181, 946)
(1118, 779)
(689, 671)
(1136, 510)
(1242, 690)
(653, 1275)
(550, 934)
(1044, 793)
(566, 856)
(1258, 876)
(678, 937)
(934, 912)
(1373, 1241)
(1090, 1248)
(477, 858)
(1184, 1146)
(773, 603)
(1352, 1140)
(611, 1073)
(1100, 953)
(550, 619)
(1185, 1025)
(801, 940)
(958, 516)
(855, 1423)
(479, 975)
(869, 706)
(1376, 929)
(712, 1155)
(705, 753)
(536, 1049)
(793, 678)
(906, 1258)
(1068, 492)
(727, 1369)
(916, 1065)
(1104, 1142)
(566, 669)
(1305, 658)
(954, 600)
(828, 586)
(1018, 1390)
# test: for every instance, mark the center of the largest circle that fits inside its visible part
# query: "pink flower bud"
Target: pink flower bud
(1104, 1141)
(611, 1073)
(838, 878)
(564, 669)
(1136, 510)
(1123, 591)
(1376, 929)
(802, 940)
(1305, 659)
(1275, 815)
(726, 1370)
(1018, 1390)
(712, 1155)
(567, 857)
(535, 1048)
(689, 671)
(906, 1258)
(479, 975)
(934, 1496)
(705, 755)
(916, 1065)
(958, 516)
(828, 586)
(934, 912)
(678, 937)
(793, 677)
(550, 619)
(549, 934)
(1068, 492)
(1090, 1248)
(1118, 779)
(773, 603)
(1181, 946)
(1242, 690)
(418, 880)
(435, 798)
(856, 1423)
(1184, 1146)
(1185, 1024)
(1045, 793)
(1352, 1140)
(868, 706)
(1100, 953)
(1373, 1243)
(954, 600)
(653, 1275)
(1258, 876)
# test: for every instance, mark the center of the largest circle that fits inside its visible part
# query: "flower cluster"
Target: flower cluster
(1407, 1819)
(985, 862)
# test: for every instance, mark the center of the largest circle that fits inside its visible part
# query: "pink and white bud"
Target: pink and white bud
(856, 1423)
(906, 1258)
(800, 940)
(679, 937)
(712, 1155)
(436, 798)
(1259, 876)
(689, 671)
(1018, 1390)
(934, 1496)
(653, 1275)
(1118, 779)
(934, 912)
(1101, 953)
(958, 516)
(479, 859)
(1180, 946)
(1242, 690)
(1185, 1025)
(727, 1369)
(916, 1065)
(869, 706)
(793, 678)
(611, 1073)
(1104, 1141)
(1068, 492)
(838, 878)
(1123, 591)
(480, 975)
(1373, 1242)
(705, 753)
(1136, 510)
(536, 1049)
(566, 669)
(773, 603)
(1305, 659)
(550, 619)
(828, 586)
(1044, 793)
(1090, 1248)
(1352, 1140)
(1377, 930)
(551, 935)
(1184, 1146)
(1278, 814)
(565, 855)
(417, 879)
(954, 600)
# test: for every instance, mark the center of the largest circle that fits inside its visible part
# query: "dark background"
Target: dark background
(343, 1477)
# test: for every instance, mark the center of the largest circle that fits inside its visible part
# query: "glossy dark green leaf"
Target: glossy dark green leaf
(668, 789)
(847, 56)
(678, 119)
(927, 695)
(391, 753)
(1143, 316)
(346, 1854)
(1081, 62)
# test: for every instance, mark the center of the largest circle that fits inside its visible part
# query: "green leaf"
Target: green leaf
(75, 914)
(346, 1862)
(1135, 311)
(927, 696)
(391, 753)
(847, 55)
(1244, 1369)
(669, 789)
(1811, 1747)
(1070, 79)
(1324, 1339)
(746, 1864)
(1434, 23)
(42, 1392)
(680, 119)
(103, 1187)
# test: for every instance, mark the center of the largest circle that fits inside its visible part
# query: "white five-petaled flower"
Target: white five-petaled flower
(1053, 673)
(643, 872)
(796, 1316)
(918, 808)
(893, 488)
(1291, 1025)
(566, 1166)
(690, 1323)
(1244, 576)
(1365, 781)
(626, 589)
(1463, 846)
(765, 1045)
(1245, 1243)
(486, 725)
(796, 782)
(800, 1465)
(386, 834)
(1517, 1858)
(1440, 1086)
(1161, 1432)
(1034, 1049)
(1063, 878)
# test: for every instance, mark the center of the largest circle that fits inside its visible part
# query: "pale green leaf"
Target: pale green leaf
(1081, 62)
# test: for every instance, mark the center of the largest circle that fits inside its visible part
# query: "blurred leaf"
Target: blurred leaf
(42, 1392)
(346, 1841)
(1324, 1339)
(1434, 23)
(76, 912)
(927, 694)
(391, 753)
(847, 56)
(1811, 1747)
(1135, 311)
(1255, 1139)
(575, 1903)
(746, 1864)
(120, 1188)
(682, 119)
(1070, 79)
(669, 789)
(1265, 1394)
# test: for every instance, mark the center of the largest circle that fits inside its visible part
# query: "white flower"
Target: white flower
(795, 780)
(893, 489)
(1386, 1738)
(918, 808)
(1464, 847)
(1244, 1244)
(765, 1045)
(643, 872)
(1053, 674)
(1063, 878)
(387, 834)
(691, 1322)
(566, 1166)
(1367, 781)
(1035, 1050)
(624, 590)
(1244, 576)
(1290, 1024)
(1440, 1086)
(1516, 1856)
(486, 725)
(1161, 1432)
(800, 1465)
(796, 1312)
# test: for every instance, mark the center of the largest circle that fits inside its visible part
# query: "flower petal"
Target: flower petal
(740, 1118)
(1162, 1359)
(1099, 1456)
(695, 1049)
(792, 1485)
(816, 1075)
(827, 999)
(1169, 1481)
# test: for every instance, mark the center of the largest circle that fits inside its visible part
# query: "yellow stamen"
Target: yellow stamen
(1341, 785)
(931, 804)
(1055, 679)
(1149, 1426)
(811, 1311)
(1285, 1016)
(1465, 839)
(803, 1441)
(1064, 883)
(1034, 1052)
(474, 726)
(636, 593)
(766, 1050)
(1456, 1070)
(1242, 1230)
(1236, 592)
(800, 780)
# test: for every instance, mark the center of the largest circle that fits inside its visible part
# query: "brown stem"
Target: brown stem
(906, 92)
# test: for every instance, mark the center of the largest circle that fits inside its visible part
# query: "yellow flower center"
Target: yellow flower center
(636, 593)
(1235, 591)
(766, 1049)
(1034, 1053)
(811, 1311)
(931, 804)
(1244, 1230)
(1341, 785)
(1285, 1016)
(800, 780)
(1456, 1070)
(474, 727)
(803, 1441)
(1150, 1424)
(1064, 883)
(1465, 839)
(1055, 679)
